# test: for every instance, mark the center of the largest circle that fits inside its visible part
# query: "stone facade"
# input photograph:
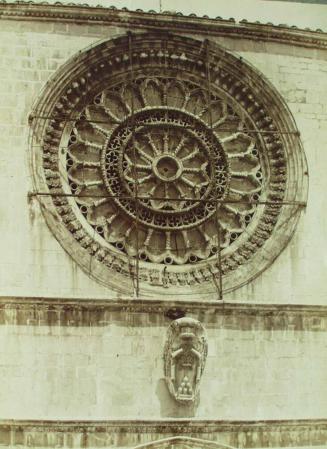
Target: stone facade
(82, 361)
(185, 174)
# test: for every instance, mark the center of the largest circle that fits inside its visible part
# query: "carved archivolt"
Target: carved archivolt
(146, 144)
(184, 358)
(181, 442)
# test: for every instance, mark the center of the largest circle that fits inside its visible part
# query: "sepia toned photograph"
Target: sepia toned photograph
(163, 224)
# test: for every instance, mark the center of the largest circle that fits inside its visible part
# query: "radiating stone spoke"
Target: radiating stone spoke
(87, 164)
(78, 177)
(129, 230)
(152, 144)
(186, 239)
(100, 202)
(137, 166)
(145, 178)
(180, 145)
(115, 106)
(191, 155)
(128, 160)
(91, 183)
(142, 167)
(246, 154)
(168, 241)
(187, 182)
(143, 154)
(240, 174)
(230, 137)
(111, 219)
(166, 142)
(94, 145)
(217, 123)
(101, 130)
(246, 183)
(192, 170)
(111, 115)
(148, 237)
(166, 190)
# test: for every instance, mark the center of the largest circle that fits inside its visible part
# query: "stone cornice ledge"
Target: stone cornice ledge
(166, 21)
(124, 433)
(38, 311)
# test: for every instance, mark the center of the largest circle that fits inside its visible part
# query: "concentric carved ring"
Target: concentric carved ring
(162, 165)
(170, 160)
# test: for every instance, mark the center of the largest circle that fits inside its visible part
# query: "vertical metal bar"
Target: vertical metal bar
(165, 51)
(220, 294)
(165, 103)
(207, 64)
(135, 175)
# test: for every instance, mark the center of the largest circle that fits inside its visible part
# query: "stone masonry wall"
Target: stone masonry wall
(257, 368)
(36, 265)
(114, 369)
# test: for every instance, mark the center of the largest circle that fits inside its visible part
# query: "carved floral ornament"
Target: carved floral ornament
(159, 148)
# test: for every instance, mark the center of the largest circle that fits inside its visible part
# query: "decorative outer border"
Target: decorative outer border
(92, 313)
(82, 13)
(256, 95)
(89, 434)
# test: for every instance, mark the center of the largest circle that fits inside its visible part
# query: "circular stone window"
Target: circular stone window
(167, 158)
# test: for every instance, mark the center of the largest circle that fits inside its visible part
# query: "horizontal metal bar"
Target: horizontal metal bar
(193, 200)
(251, 131)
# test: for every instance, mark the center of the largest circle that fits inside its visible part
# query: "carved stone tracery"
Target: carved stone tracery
(149, 157)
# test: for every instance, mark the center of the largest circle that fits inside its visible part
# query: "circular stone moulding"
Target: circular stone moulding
(172, 152)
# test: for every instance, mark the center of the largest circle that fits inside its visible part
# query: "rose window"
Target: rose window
(163, 171)
(179, 164)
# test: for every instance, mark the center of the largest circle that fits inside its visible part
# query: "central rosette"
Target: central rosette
(166, 169)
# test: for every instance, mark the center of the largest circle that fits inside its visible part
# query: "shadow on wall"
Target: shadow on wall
(169, 407)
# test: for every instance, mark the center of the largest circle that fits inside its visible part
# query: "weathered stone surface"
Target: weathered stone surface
(219, 147)
(153, 434)
(40, 255)
(63, 312)
(110, 364)
(72, 350)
